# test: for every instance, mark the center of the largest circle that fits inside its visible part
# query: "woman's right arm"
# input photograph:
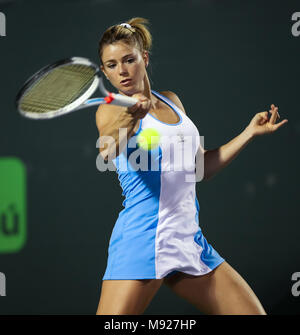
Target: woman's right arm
(110, 118)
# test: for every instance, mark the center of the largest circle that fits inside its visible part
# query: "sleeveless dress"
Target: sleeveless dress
(157, 233)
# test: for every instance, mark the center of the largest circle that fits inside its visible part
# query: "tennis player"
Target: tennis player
(156, 238)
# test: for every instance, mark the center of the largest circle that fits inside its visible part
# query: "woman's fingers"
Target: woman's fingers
(263, 117)
(273, 108)
(274, 114)
(142, 107)
(278, 125)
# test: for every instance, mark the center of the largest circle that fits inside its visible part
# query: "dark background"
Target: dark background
(227, 61)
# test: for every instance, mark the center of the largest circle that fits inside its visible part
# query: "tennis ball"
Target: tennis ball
(148, 139)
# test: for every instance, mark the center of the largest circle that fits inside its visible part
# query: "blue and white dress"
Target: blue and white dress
(157, 233)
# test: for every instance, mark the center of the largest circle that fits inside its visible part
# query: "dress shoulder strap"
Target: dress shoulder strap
(167, 101)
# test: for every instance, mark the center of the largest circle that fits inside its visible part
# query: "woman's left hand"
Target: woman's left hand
(261, 124)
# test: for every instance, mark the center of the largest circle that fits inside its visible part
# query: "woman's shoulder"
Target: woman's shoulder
(174, 98)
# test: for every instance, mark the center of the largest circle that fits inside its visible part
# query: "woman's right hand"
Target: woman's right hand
(141, 108)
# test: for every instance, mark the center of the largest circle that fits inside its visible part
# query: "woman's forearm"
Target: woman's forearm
(117, 135)
(215, 160)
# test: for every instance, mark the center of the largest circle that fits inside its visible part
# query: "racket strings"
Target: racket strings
(58, 88)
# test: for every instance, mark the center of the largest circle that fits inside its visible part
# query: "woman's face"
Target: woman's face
(125, 67)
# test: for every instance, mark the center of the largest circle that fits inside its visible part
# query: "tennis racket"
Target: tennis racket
(63, 87)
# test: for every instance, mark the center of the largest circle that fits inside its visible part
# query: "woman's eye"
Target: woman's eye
(129, 60)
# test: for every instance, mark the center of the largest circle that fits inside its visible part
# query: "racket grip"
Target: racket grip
(121, 100)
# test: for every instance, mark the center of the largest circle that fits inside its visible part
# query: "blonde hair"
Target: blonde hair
(138, 35)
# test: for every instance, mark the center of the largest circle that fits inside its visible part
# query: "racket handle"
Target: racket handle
(121, 100)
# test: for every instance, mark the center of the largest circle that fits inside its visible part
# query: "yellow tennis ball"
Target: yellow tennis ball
(148, 139)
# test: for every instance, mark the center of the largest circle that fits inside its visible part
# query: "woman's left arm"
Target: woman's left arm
(215, 160)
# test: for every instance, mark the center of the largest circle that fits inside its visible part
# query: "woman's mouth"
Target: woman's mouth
(125, 82)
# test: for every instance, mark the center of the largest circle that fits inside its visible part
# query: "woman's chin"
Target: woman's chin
(129, 90)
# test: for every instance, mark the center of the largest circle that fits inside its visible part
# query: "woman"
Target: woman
(157, 238)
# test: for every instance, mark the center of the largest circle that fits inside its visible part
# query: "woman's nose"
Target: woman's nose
(122, 68)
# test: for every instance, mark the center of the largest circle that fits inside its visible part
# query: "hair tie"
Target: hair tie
(126, 25)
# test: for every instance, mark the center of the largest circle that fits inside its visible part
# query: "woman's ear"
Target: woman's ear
(102, 69)
(146, 57)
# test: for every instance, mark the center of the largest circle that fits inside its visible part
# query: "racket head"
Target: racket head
(58, 88)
